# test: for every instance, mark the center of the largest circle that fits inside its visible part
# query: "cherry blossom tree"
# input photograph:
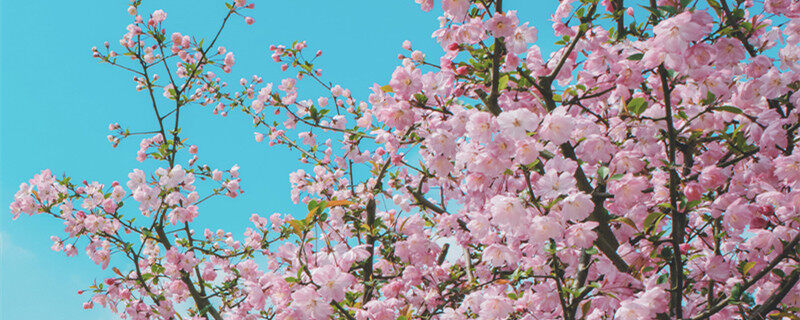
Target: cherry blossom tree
(645, 169)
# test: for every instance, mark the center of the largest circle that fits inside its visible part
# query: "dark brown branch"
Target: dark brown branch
(443, 254)
(676, 267)
(775, 298)
(367, 276)
(201, 302)
(491, 101)
(619, 17)
(737, 32)
(787, 250)
(606, 241)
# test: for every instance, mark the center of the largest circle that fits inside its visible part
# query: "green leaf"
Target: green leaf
(651, 219)
(747, 266)
(503, 82)
(636, 56)
(783, 314)
(637, 106)
(616, 176)
(627, 221)
(736, 292)
(602, 172)
(298, 226)
(693, 203)
(546, 154)
(709, 99)
(586, 307)
(664, 205)
(730, 109)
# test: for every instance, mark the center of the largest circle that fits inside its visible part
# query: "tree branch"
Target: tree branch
(676, 267)
(491, 101)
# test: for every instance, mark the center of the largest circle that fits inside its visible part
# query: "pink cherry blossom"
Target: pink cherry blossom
(502, 24)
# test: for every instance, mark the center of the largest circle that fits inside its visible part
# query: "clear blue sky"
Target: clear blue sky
(56, 103)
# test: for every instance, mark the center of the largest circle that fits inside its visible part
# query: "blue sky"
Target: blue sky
(56, 103)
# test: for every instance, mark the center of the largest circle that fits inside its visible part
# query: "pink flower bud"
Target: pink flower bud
(109, 206)
(418, 56)
(177, 39)
(249, 20)
(766, 210)
(693, 191)
(407, 45)
(229, 60)
(157, 17)
(193, 149)
(758, 223)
